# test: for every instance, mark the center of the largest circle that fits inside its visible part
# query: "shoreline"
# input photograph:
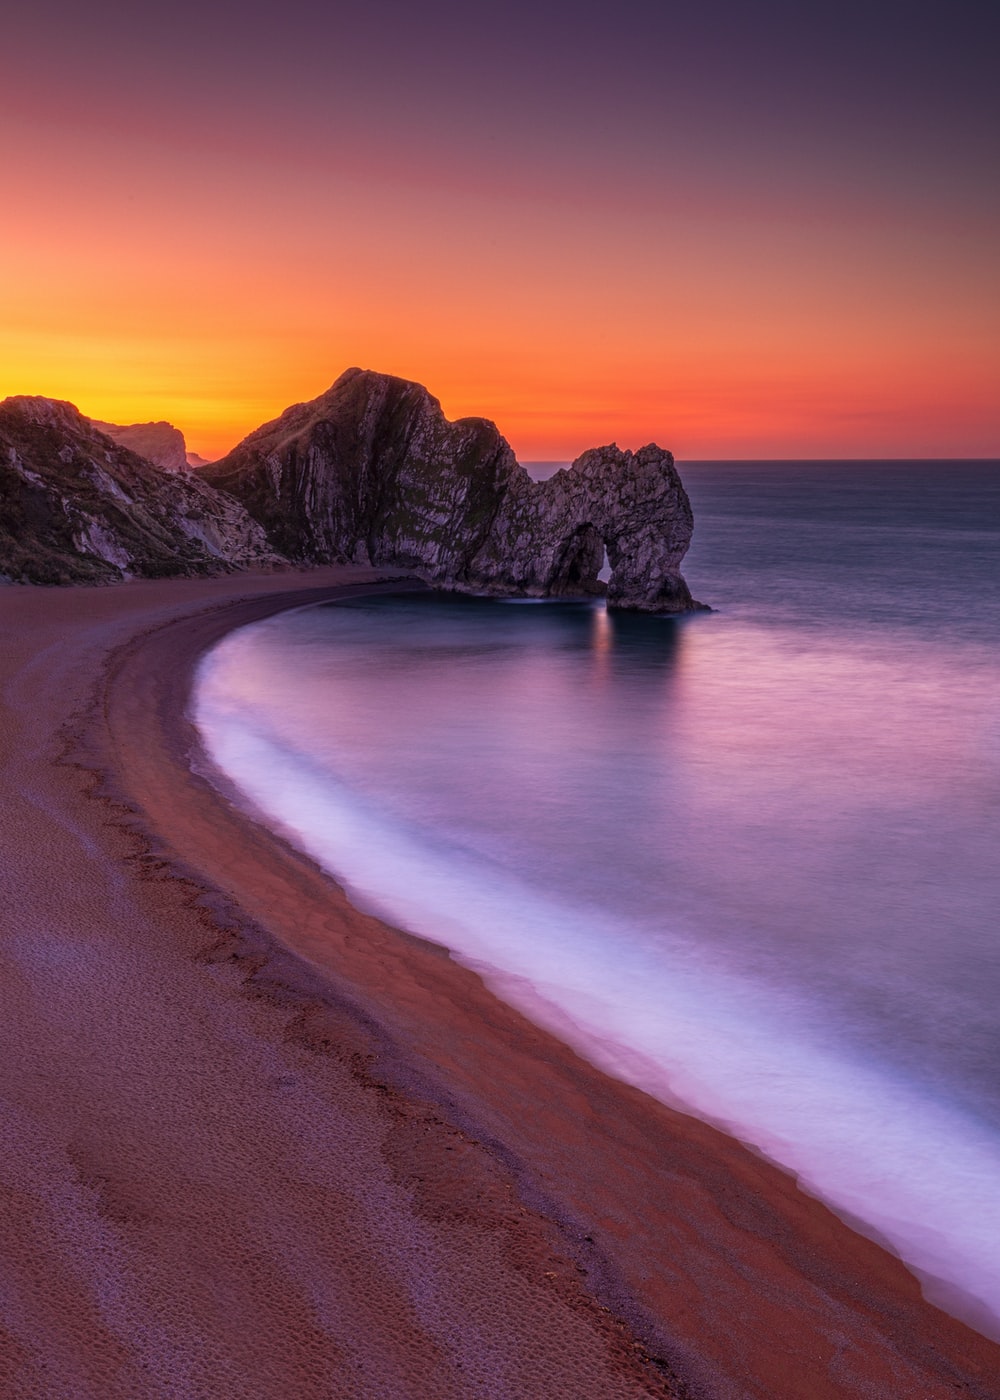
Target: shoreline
(676, 1261)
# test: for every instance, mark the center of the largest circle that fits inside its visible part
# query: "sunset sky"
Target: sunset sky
(738, 229)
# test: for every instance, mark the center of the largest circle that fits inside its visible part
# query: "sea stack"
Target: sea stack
(372, 471)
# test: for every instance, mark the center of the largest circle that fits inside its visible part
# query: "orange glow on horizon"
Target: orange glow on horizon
(729, 420)
(795, 333)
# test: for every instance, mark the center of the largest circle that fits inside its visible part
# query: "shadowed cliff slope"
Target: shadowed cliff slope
(372, 471)
(76, 507)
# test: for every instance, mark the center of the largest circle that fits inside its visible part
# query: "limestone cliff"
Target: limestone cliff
(160, 443)
(75, 506)
(373, 471)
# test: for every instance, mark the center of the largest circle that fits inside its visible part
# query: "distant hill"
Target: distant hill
(161, 443)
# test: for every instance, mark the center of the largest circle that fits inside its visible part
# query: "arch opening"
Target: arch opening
(578, 564)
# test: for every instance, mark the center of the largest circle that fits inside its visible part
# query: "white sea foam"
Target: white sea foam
(914, 1170)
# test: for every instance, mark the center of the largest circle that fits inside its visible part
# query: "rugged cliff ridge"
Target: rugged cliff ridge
(373, 471)
(76, 507)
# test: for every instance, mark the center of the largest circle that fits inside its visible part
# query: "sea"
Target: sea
(746, 859)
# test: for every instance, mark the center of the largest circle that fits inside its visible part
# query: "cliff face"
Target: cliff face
(160, 443)
(373, 471)
(77, 507)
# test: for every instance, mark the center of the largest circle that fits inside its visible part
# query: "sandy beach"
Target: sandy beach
(259, 1144)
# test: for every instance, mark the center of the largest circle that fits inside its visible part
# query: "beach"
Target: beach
(261, 1144)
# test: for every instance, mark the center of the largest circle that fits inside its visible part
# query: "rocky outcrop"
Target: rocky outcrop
(160, 443)
(373, 471)
(75, 506)
(549, 538)
(370, 472)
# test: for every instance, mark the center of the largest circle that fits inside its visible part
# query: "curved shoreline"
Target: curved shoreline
(654, 1233)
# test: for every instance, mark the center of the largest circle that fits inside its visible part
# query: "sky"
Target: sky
(737, 229)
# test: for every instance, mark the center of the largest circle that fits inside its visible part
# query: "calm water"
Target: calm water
(747, 860)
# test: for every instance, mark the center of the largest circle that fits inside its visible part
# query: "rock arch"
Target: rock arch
(373, 464)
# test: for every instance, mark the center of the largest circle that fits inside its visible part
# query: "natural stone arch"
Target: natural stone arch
(373, 469)
(578, 562)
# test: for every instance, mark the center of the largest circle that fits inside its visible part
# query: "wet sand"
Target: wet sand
(256, 1143)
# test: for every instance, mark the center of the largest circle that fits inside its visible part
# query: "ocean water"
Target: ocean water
(747, 859)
